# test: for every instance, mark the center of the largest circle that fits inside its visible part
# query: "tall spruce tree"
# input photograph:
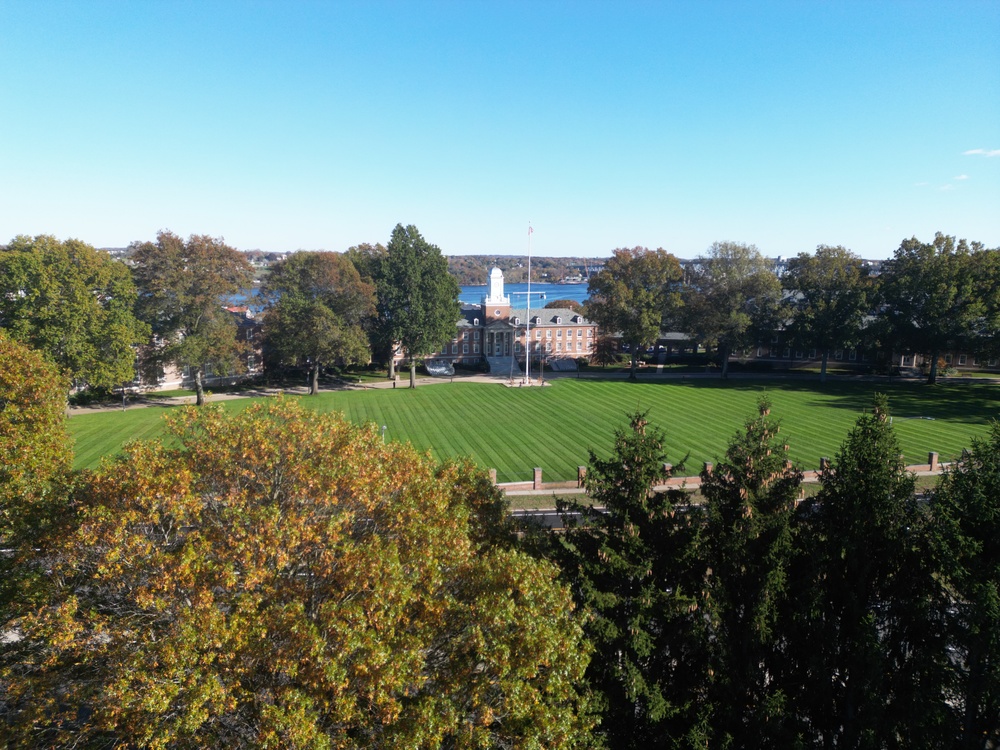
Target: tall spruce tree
(750, 497)
(967, 508)
(633, 567)
(869, 655)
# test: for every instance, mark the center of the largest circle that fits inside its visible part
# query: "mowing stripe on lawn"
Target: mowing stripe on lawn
(516, 429)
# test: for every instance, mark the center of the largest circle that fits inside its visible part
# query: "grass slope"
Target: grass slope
(516, 429)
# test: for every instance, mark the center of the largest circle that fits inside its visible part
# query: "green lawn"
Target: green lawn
(516, 429)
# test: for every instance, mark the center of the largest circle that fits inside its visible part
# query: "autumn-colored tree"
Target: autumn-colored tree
(285, 579)
(183, 289)
(35, 457)
(73, 304)
(565, 304)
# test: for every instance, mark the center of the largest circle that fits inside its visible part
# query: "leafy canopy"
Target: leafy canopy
(285, 579)
(74, 304)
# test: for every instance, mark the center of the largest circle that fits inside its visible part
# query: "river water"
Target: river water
(475, 294)
(517, 293)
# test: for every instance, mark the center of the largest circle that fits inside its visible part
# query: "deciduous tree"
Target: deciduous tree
(417, 297)
(930, 297)
(285, 579)
(317, 305)
(830, 297)
(631, 295)
(73, 304)
(731, 297)
(183, 289)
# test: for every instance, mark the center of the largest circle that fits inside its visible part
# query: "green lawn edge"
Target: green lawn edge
(514, 430)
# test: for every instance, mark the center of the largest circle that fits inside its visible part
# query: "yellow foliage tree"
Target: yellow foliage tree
(285, 579)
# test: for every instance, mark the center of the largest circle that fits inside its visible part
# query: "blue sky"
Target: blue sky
(319, 125)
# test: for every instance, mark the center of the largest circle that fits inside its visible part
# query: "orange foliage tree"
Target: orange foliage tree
(285, 579)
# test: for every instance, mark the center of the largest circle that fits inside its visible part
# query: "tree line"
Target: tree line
(90, 314)
(929, 298)
(281, 578)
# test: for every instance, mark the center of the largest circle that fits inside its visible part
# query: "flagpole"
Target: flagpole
(527, 335)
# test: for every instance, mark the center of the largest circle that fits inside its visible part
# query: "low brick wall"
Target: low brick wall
(812, 475)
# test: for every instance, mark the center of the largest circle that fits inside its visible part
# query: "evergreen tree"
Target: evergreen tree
(750, 498)
(633, 565)
(868, 654)
(967, 507)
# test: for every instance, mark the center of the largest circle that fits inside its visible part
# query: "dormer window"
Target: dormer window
(475, 321)
(577, 318)
(496, 313)
(517, 321)
(558, 320)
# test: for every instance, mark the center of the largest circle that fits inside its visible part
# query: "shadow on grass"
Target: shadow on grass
(972, 403)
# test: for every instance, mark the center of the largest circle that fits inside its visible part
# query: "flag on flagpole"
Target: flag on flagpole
(530, 230)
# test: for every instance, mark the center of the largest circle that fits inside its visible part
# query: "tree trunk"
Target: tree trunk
(822, 367)
(635, 358)
(932, 375)
(724, 356)
(392, 365)
(314, 379)
(199, 387)
(413, 372)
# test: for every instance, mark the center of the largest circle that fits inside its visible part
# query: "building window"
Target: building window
(548, 333)
(798, 354)
(838, 354)
(579, 346)
(590, 332)
(961, 359)
(812, 354)
(786, 353)
(475, 348)
(907, 360)
(475, 335)
(579, 333)
(758, 352)
(475, 321)
(558, 320)
(947, 359)
(559, 346)
(853, 355)
(538, 334)
(559, 334)
(454, 348)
